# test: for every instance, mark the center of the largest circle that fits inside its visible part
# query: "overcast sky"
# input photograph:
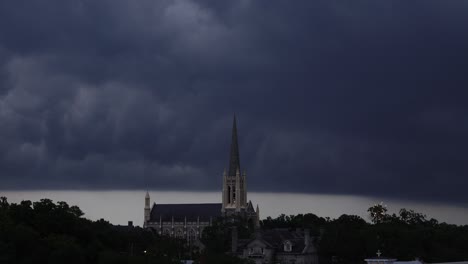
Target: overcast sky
(336, 97)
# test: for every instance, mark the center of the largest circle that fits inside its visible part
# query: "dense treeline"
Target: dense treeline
(407, 236)
(217, 240)
(47, 232)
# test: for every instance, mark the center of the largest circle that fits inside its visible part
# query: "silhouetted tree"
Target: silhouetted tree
(48, 232)
(378, 213)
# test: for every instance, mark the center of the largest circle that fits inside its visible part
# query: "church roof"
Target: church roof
(181, 211)
(250, 207)
(234, 160)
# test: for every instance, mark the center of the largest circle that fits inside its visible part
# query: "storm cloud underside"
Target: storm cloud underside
(336, 97)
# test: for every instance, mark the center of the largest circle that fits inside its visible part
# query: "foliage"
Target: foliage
(48, 232)
(406, 236)
(377, 213)
(218, 258)
(309, 221)
(217, 240)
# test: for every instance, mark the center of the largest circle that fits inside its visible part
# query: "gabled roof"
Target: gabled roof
(275, 239)
(192, 212)
(250, 208)
(259, 241)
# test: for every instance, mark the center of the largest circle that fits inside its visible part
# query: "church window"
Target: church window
(192, 236)
(179, 234)
(167, 232)
(233, 194)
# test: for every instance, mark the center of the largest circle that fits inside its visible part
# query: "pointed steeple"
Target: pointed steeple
(234, 161)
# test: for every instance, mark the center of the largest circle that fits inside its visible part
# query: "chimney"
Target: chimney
(130, 223)
(234, 240)
(307, 242)
(321, 233)
(306, 237)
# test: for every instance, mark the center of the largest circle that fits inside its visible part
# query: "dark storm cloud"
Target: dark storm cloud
(361, 97)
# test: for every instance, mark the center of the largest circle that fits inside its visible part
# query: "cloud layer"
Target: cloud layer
(362, 97)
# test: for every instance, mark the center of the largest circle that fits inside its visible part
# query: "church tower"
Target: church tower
(234, 183)
(147, 209)
(188, 220)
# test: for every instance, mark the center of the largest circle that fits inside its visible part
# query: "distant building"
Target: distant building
(380, 260)
(187, 221)
(279, 246)
(458, 262)
(385, 260)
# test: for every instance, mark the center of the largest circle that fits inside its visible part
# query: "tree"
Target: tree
(4, 203)
(64, 249)
(411, 217)
(378, 213)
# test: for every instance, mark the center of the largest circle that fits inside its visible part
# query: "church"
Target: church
(187, 221)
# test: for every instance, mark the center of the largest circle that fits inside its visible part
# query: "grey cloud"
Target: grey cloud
(362, 97)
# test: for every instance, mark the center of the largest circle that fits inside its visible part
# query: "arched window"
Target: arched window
(233, 194)
(179, 233)
(167, 232)
(192, 236)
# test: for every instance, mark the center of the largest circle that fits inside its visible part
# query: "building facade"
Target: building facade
(279, 246)
(187, 221)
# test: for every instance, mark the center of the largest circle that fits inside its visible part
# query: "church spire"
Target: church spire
(234, 161)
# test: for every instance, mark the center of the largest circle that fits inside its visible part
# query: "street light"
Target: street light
(146, 256)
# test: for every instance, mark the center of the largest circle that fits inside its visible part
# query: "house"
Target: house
(279, 246)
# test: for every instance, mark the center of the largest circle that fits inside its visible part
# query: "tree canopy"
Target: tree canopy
(48, 232)
(406, 236)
